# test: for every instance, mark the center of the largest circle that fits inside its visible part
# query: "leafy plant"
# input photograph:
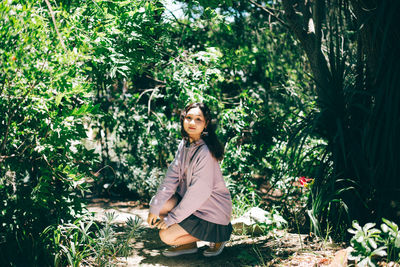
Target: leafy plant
(45, 102)
(274, 221)
(85, 242)
(328, 210)
(365, 244)
(391, 238)
(371, 245)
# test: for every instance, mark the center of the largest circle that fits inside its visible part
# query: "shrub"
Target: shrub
(45, 104)
(371, 245)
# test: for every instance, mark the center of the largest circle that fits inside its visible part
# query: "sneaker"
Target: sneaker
(180, 250)
(215, 249)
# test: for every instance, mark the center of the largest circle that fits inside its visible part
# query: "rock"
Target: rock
(340, 259)
(249, 222)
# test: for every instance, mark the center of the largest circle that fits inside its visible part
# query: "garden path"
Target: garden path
(279, 249)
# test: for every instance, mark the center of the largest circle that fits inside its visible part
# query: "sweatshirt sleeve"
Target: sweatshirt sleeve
(199, 189)
(168, 186)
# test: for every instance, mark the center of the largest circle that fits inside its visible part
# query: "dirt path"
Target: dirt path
(279, 249)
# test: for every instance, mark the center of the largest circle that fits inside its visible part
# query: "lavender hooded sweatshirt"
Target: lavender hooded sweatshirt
(196, 176)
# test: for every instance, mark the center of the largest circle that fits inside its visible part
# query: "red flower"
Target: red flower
(305, 181)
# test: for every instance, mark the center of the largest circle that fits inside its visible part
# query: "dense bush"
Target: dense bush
(45, 105)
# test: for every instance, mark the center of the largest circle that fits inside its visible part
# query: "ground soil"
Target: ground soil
(272, 249)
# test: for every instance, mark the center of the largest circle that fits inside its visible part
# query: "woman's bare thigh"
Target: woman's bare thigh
(176, 235)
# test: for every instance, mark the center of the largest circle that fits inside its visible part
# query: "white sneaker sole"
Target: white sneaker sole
(216, 253)
(177, 253)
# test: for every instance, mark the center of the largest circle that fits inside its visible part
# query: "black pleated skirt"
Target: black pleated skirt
(206, 231)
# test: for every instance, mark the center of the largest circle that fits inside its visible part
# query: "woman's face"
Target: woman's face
(194, 123)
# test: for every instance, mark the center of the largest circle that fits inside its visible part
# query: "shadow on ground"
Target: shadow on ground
(147, 251)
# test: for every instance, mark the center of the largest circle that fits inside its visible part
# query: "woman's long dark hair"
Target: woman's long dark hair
(209, 136)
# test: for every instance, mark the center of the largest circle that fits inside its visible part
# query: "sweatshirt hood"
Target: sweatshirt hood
(194, 144)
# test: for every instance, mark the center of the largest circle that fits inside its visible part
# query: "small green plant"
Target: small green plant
(365, 244)
(273, 221)
(85, 242)
(326, 202)
(259, 222)
(391, 239)
(244, 201)
(371, 244)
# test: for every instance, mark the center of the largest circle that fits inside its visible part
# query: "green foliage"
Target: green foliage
(350, 117)
(228, 65)
(328, 210)
(110, 77)
(242, 199)
(274, 221)
(46, 103)
(84, 242)
(391, 239)
(147, 127)
(371, 245)
(207, 59)
(365, 244)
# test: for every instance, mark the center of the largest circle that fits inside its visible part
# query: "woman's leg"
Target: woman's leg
(175, 235)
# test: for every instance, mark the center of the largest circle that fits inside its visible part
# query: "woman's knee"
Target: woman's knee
(166, 237)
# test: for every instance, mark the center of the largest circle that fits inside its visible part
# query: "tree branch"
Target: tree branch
(55, 25)
(268, 11)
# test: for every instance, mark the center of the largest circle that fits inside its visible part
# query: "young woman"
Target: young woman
(193, 202)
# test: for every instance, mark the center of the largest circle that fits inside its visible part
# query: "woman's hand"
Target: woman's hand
(152, 219)
(161, 225)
